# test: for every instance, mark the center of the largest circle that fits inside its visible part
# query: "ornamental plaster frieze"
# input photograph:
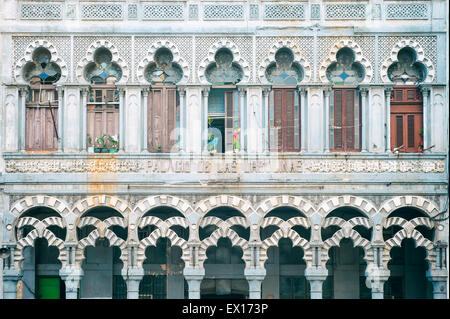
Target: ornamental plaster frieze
(232, 165)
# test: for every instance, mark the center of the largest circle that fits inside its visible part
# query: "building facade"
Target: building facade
(224, 149)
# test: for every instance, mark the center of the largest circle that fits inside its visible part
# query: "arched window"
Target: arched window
(284, 102)
(103, 102)
(406, 101)
(223, 103)
(42, 104)
(345, 105)
(163, 101)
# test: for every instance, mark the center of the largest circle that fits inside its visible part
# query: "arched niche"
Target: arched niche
(284, 70)
(345, 70)
(224, 70)
(163, 69)
(406, 69)
(41, 69)
(102, 70)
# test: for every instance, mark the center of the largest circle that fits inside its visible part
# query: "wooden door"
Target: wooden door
(406, 118)
(41, 127)
(163, 103)
(345, 118)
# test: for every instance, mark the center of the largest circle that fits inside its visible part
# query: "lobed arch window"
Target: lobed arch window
(103, 102)
(284, 102)
(41, 113)
(163, 104)
(406, 102)
(224, 123)
(345, 102)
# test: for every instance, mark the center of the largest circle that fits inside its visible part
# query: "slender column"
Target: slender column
(121, 119)
(255, 278)
(303, 120)
(266, 92)
(205, 120)
(194, 277)
(438, 278)
(133, 277)
(182, 128)
(84, 95)
(387, 95)
(242, 120)
(426, 123)
(60, 91)
(71, 277)
(326, 106)
(365, 123)
(144, 146)
(22, 118)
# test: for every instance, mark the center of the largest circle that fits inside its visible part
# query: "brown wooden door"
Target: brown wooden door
(163, 103)
(346, 119)
(102, 112)
(406, 118)
(284, 121)
(41, 121)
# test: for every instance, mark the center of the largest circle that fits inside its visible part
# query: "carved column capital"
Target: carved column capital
(205, 91)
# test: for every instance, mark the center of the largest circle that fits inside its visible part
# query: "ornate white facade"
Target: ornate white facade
(253, 181)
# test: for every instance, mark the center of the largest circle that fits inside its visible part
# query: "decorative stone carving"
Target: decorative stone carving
(274, 166)
(28, 60)
(345, 11)
(406, 11)
(419, 58)
(297, 58)
(236, 56)
(358, 58)
(223, 12)
(115, 59)
(284, 11)
(173, 61)
(110, 11)
(163, 12)
(41, 11)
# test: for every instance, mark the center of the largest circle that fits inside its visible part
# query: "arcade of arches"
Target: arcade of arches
(224, 256)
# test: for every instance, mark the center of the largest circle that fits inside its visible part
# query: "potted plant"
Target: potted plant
(159, 148)
(90, 146)
(114, 143)
(101, 144)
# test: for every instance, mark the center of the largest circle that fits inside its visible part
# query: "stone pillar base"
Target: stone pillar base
(316, 277)
(194, 279)
(133, 277)
(255, 278)
(10, 280)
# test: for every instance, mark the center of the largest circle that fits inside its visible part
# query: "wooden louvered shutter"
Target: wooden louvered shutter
(40, 134)
(155, 120)
(288, 127)
(410, 131)
(229, 105)
(171, 119)
(338, 132)
(278, 120)
(349, 120)
(399, 130)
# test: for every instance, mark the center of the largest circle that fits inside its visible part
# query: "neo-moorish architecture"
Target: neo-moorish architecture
(224, 149)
